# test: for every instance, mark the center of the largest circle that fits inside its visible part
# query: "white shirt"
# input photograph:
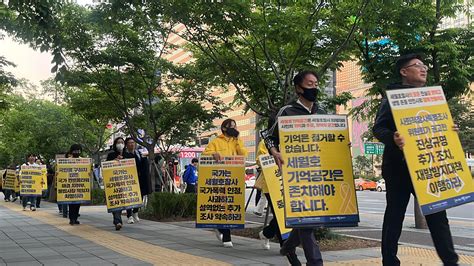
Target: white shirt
(308, 109)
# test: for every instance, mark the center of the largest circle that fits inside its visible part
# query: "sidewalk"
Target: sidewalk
(45, 238)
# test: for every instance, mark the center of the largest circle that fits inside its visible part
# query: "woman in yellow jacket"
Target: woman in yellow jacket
(227, 144)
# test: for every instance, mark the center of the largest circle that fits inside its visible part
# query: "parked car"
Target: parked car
(381, 185)
(363, 184)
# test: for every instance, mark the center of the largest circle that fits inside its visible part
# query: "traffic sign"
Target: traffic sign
(373, 148)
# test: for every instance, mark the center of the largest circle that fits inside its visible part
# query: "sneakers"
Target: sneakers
(7, 200)
(33, 208)
(118, 227)
(228, 244)
(135, 217)
(218, 235)
(266, 241)
(259, 214)
(130, 220)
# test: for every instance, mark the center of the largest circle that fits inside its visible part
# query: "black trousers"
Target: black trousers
(190, 188)
(399, 188)
(225, 235)
(74, 212)
(272, 229)
(305, 237)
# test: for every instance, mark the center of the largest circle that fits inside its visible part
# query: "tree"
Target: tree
(462, 111)
(258, 46)
(363, 165)
(412, 27)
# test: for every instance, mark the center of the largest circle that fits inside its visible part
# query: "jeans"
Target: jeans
(117, 217)
(31, 199)
(399, 189)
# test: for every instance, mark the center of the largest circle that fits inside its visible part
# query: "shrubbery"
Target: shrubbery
(165, 205)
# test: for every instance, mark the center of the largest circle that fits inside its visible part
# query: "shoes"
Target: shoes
(14, 199)
(228, 244)
(259, 214)
(7, 200)
(71, 222)
(33, 208)
(266, 241)
(38, 207)
(118, 227)
(218, 235)
(135, 217)
(130, 220)
(77, 222)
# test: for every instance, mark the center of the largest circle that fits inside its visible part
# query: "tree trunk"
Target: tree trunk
(151, 166)
(420, 221)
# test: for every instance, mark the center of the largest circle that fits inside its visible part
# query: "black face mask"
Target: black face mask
(232, 132)
(310, 94)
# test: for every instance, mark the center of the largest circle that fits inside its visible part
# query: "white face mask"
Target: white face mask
(120, 146)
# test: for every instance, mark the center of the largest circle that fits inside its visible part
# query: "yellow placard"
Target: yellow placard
(17, 181)
(221, 193)
(122, 188)
(31, 177)
(10, 179)
(274, 182)
(74, 180)
(44, 176)
(317, 172)
(433, 152)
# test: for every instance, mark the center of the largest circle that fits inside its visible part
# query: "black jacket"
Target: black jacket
(384, 128)
(271, 136)
(112, 155)
(142, 169)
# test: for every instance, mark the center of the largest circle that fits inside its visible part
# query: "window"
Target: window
(251, 156)
(249, 143)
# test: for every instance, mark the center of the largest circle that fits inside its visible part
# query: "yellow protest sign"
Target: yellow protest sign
(122, 188)
(10, 179)
(17, 181)
(44, 177)
(274, 182)
(221, 193)
(31, 179)
(433, 152)
(74, 180)
(317, 173)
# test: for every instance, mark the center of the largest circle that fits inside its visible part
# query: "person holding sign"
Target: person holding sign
(75, 151)
(116, 154)
(227, 144)
(306, 83)
(131, 152)
(413, 73)
(30, 200)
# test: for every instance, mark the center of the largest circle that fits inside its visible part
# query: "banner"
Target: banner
(31, 177)
(44, 176)
(17, 181)
(74, 180)
(122, 188)
(10, 179)
(274, 182)
(221, 193)
(318, 181)
(432, 150)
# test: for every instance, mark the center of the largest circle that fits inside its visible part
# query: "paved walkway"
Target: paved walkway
(45, 238)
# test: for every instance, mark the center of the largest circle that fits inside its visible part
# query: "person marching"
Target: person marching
(30, 200)
(226, 144)
(141, 162)
(116, 154)
(75, 152)
(306, 83)
(413, 73)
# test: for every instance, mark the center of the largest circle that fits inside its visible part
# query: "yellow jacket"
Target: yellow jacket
(226, 146)
(260, 183)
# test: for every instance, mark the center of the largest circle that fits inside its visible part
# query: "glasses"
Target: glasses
(419, 66)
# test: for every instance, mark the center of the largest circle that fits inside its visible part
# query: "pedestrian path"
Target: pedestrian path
(45, 238)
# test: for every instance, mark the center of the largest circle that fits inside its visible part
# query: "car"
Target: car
(381, 185)
(363, 184)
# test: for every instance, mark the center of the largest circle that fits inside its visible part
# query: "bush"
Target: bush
(98, 196)
(324, 233)
(164, 205)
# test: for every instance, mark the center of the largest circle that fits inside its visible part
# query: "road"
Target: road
(371, 209)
